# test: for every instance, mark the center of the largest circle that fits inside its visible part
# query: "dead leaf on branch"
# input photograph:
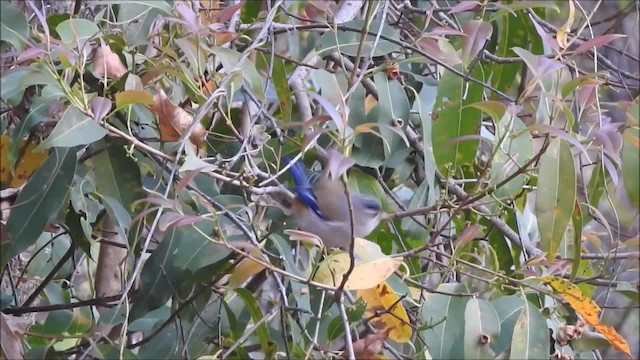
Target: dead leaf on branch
(174, 120)
(107, 63)
(369, 346)
(12, 330)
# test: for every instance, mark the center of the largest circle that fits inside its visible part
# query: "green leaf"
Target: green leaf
(448, 313)
(111, 351)
(74, 33)
(512, 33)
(139, 15)
(38, 112)
(74, 128)
(629, 291)
(116, 174)
(631, 163)
(347, 42)
(256, 315)
(40, 200)
(183, 250)
(513, 148)
(508, 309)
(480, 321)
(589, 341)
(555, 196)
(42, 263)
(595, 189)
(249, 11)
(57, 322)
(194, 53)
(452, 118)
(423, 104)
(393, 105)
(14, 28)
(409, 225)
(11, 82)
(530, 335)
(157, 4)
(250, 75)
(577, 222)
(279, 76)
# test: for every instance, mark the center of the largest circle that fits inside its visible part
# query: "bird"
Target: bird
(320, 205)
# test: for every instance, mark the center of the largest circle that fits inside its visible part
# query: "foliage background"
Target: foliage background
(137, 226)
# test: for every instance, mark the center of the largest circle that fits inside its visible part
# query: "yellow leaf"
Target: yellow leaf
(371, 268)
(242, 272)
(245, 269)
(29, 162)
(563, 32)
(383, 300)
(588, 309)
(369, 103)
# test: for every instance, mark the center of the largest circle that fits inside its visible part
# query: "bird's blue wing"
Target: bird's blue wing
(302, 188)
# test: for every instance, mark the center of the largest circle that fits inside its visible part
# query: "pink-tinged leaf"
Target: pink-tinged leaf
(226, 14)
(167, 218)
(586, 94)
(187, 220)
(190, 17)
(443, 31)
(561, 134)
(29, 54)
(186, 179)
(613, 172)
(478, 32)
(546, 38)
(469, 233)
(464, 6)
(331, 110)
(540, 66)
(171, 219)
(429, 46)
(596, 42)
(337, 163)
(100, 107)
(547, 66)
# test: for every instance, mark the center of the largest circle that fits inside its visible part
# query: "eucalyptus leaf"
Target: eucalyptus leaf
(40, 200)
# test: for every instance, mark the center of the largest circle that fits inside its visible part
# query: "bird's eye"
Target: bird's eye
(371, 204)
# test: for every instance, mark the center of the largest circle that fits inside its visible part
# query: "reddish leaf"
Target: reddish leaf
(442, 31)
(478, 32)
(464, 6)
(546, 38)
(597, 42)
(225, 14)
(100, 107)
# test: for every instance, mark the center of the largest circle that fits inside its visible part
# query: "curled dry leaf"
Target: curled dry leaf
(372, 267)
(387, 312)
(107, 63)
(246, 269)
(369, 346)
(174, 120)
(12, 330)
(303, 236)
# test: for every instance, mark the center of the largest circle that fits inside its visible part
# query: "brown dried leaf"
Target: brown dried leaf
(107, 63)
(12, 329)
(174, 120)
(369, 346)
